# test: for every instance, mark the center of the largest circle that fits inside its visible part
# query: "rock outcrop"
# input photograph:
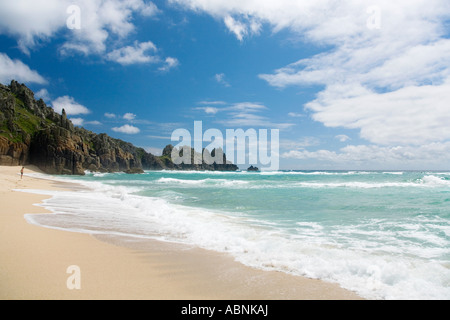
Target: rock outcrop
(33, 133)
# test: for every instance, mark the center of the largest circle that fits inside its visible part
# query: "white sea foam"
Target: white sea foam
(182, 181)
(354, 184)
(431, 180)
(394, 172)
(375, 270)
(427, 181)
(203, 182)
(316, 173)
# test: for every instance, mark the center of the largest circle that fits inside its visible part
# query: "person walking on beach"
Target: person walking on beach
(21, 173)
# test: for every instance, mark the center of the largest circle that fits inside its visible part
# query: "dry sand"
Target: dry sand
(34, 262)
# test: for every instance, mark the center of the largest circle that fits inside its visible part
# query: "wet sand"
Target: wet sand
(35, 261)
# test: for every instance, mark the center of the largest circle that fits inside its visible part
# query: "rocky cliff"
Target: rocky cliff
(33, 133)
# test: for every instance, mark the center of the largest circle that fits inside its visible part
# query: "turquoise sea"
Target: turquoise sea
(384, 235)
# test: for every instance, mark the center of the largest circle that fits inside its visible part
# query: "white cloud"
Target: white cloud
(411, 115)
(77, 121)
(434, 155)
(211, 103)
(248, 106)
(168, 137)
(148, 9)
(390, 83)
(43, 94)
(110, 115)
(94, 123)
(169, 64)
(127, 129)
(220, 78)
(342, 138)
(391, 86)
(154, 151)
(211, 107)
(129, 116)
(69, 105)
(17, 70)
(209, 110)
(248, 114)
(238, 28)
(242, 115)
(32, 21)
(137, 54)
(295, 115)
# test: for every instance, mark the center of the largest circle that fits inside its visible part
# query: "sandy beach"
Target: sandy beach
(35, 261)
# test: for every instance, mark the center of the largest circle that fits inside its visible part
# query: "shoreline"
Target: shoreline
(35, 261)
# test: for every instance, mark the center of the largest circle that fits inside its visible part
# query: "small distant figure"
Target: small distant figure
(21, 173)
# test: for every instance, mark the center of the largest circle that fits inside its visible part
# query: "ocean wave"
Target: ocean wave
(427, 181)
(431, 180)
(203, 182)
(375, 258)
(316, 173)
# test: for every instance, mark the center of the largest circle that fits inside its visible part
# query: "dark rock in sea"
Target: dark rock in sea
(33, 133)
(134, 171)
(253, 169)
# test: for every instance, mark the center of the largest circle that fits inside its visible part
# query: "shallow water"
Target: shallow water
(384, 235)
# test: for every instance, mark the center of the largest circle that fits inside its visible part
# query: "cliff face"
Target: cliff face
(33, 133)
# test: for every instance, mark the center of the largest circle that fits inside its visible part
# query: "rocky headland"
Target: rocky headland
(33, 133)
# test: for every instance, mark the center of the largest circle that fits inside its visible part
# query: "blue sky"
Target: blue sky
(349, 84)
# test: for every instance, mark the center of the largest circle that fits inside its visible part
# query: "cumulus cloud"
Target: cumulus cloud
(127, 129)
(141, 53)
(137, 54)
(236, 27)
(211, 110)
(69, 105)
(391, 83)
(77, 121)
(31, 21)
(43, 94)
(411, 115)
(80, 122)
(17, 70)
(101, 24)
(129, 116)
(34, 21)
(378, 157)
(169, 64)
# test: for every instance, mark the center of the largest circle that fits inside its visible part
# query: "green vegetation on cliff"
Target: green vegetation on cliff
(33, 133)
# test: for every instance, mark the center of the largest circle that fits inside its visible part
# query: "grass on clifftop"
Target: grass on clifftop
(26, 123)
